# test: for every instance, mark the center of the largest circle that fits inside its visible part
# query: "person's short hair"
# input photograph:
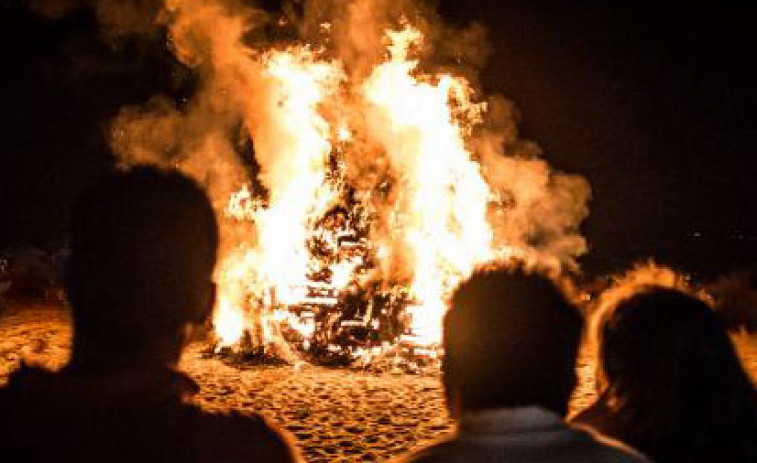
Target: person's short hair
(511, 340)
(143, 248)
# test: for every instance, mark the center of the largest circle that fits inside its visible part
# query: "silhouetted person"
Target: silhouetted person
(510, 343)
(671, 382)
(143, 247)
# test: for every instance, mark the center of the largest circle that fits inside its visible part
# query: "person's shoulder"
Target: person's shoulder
(439, 451)
(7, 404)
(606, 448)
(24, 389)
(240, 435)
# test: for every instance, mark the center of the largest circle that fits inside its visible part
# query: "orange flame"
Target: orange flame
(422, 122)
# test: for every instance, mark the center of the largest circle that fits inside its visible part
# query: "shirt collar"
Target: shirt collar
(509, 420)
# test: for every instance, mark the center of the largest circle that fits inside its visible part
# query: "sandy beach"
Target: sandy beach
(334, 414)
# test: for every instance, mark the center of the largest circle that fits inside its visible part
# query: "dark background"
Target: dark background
(653, 104)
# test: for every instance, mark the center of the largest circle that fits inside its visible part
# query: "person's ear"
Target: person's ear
(600, 378)
(453, 399)
(66, 276)
(204, 306)
(211, 302)
(451, 388)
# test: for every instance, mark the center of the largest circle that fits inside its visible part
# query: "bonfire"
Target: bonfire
(358, 170)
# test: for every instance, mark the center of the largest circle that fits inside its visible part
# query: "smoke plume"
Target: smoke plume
(440, 167)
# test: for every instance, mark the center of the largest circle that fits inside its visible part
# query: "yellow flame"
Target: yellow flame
(297, 82)
(422, 122)
(444, 213)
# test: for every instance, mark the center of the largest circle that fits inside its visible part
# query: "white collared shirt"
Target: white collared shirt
(523, 434)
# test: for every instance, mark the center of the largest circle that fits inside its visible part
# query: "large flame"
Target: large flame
(373, 171)
(278, 263)
(421, 122)
(444, 209)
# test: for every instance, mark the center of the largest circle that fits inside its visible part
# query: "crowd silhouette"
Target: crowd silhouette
(143, 248)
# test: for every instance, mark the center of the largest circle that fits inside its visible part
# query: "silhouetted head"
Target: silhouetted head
(510, 340)
(143, 248)
(671, 371)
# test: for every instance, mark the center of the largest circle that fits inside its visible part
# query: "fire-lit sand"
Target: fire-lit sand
(335, 414)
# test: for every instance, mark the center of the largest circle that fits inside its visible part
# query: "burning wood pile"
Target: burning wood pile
(342, 317)
(372, 175)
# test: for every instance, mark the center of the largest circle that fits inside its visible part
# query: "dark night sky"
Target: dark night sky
(653, 104)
